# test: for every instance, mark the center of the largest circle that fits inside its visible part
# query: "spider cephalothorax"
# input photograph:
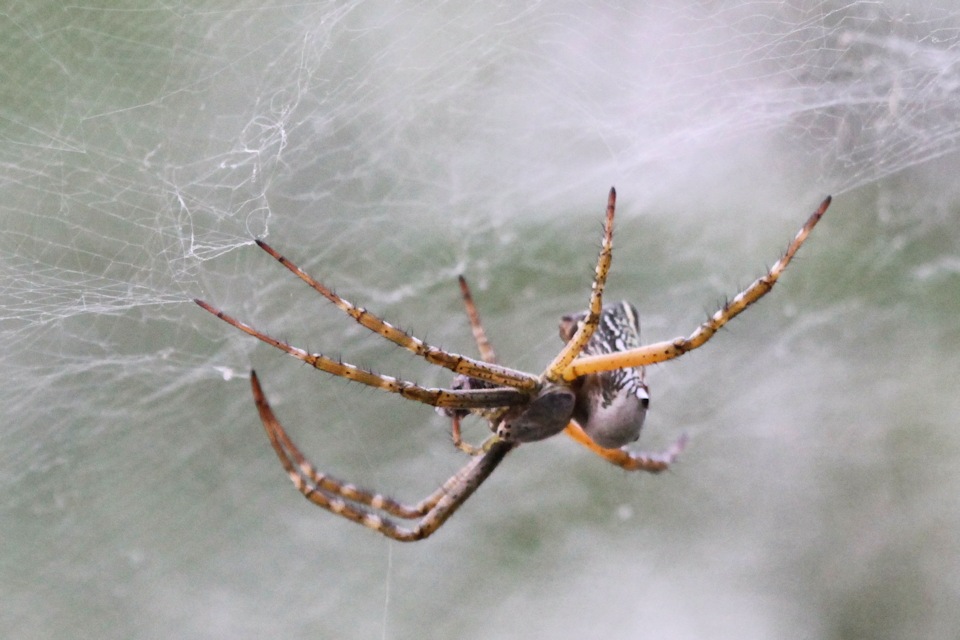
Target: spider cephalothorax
(610, 406)
(593, 390)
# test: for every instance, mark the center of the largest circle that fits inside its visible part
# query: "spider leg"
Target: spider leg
(486, 353)
(627, 460)
(557, 369)
(448, 398)
(457, 437)
(300, 469)
(670, 349)
(457, 363)
(356, 504)
(483, 344)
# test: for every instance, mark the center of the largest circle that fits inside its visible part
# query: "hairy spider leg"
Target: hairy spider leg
(555, 372)
(356, 504)
(302, 470)
(487, 353)
(670, 349)
(623, 458)
(488, 371)
(448, 398)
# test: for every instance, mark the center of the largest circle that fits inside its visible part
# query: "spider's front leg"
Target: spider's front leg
(451, 399)
(455, 362)
(588, 324)
(670, 349)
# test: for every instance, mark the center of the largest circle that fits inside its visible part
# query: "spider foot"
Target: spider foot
(668, 456)
(650, 462)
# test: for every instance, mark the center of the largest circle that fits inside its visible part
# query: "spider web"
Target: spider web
(118, 195)
(145, 144)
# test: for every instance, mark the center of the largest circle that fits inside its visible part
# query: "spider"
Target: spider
(593, 391)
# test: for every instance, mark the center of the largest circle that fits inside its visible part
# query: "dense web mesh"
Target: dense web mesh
(142, 143)
(388, 147)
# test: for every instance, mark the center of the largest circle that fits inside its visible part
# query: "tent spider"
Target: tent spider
(593, 390)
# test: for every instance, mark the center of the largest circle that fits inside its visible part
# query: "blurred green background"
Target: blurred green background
(388, 147)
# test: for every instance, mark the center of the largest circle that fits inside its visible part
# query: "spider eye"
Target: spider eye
(645, 403)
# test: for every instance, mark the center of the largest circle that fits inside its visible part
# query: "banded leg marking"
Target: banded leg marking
(670, 349)
(557, 369)
(356, 504)
(448, 398)
(457, 363)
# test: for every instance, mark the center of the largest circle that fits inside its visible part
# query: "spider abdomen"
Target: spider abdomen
(611, 406)
(611, 411)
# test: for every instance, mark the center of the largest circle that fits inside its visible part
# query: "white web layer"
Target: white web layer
(115, 195)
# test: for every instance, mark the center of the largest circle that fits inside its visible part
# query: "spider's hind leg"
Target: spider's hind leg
(360, 505)
(628, 460)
